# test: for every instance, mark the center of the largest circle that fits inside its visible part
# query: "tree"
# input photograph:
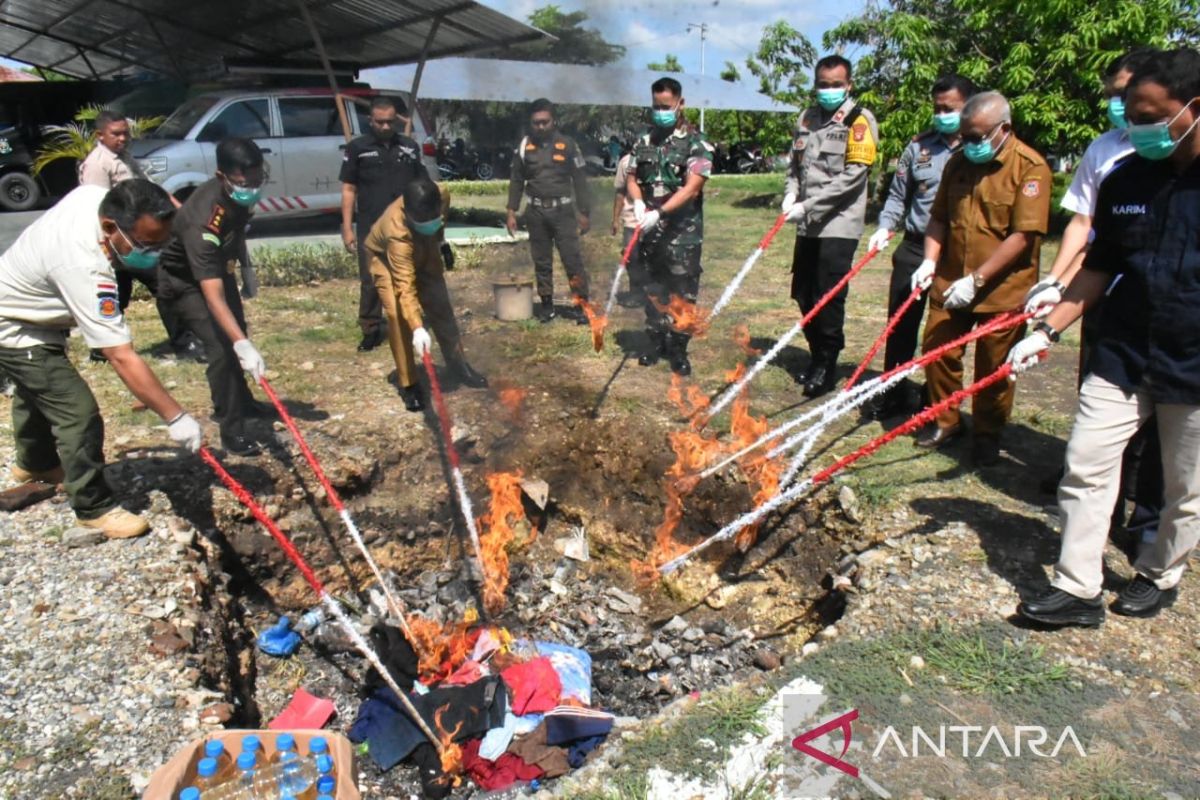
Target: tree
(1046, 56)
(670, 64)
(782, 63)
(574, 44)
(730, 73)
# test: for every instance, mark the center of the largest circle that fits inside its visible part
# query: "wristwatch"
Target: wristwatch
(978, 280)
(1045, 328)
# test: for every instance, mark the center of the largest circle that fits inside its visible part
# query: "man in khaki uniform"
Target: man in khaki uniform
(981, 255)
(404, 260)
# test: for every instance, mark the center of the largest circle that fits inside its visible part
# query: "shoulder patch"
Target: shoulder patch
(1032, 189)
(560, 145)
(216, 218)
(211, 238)
(860, 145)
(107, 305)
(559, 157)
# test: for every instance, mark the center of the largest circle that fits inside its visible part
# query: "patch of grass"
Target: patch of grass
(975, 663)
(53, 532)
(875, 495)
(294, 264)
(108, 786)
(1101, 776)
(318, 334)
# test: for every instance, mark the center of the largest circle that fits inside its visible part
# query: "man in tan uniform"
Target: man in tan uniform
(981, 254)
(404, 260)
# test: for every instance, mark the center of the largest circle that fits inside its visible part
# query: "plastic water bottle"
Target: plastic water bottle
(310, 621)
(251, 744)
(295, 776)
(215, 750)
(190, 793)
(206, 775)
(317, 746)
(285, 748)
(326, 784)
(247, 776)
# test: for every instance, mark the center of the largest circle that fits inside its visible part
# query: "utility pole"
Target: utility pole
(703, 27)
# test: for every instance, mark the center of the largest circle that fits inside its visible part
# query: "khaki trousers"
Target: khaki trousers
(1107, 419)
(434, 298)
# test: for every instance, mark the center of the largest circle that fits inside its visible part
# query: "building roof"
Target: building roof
(190, 40)
(522, 81)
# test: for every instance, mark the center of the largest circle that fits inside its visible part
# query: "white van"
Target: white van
(298, 130)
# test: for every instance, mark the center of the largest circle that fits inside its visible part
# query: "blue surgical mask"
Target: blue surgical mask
(981, 152)
(245, 196)
(426, 228)
(947, 122)
(1153, 141)
(1116, 112)
(138, 257)
(665, 117)
(830, 99)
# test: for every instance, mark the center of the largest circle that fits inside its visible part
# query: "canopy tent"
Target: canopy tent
(522, 81)
(189, 41)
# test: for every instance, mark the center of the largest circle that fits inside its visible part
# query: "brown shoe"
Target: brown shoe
(935, 437)
(117, 524)
(52, 476)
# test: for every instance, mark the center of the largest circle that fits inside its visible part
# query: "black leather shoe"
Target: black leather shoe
(656, 348)
(97, 357)
(1057, 607)
(1141, 598)
(578, 315)
(412, 397)
(934, 437)
(370, 341)
(821, 381)
(462, 372)
(192, 351)
(985, 451)
(545, 311)
(891, 404)
(805, 375)
(239, 444)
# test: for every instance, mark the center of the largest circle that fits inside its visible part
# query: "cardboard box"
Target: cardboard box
(177, 774)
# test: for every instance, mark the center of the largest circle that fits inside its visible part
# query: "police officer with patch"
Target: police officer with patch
(196, 279)
(910, 197)
(549, 168)
(375, 169)
(666, 184)
(826, 196)
(59, 275)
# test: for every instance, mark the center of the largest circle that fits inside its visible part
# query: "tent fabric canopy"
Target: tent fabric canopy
(104, 38)
(522, 81)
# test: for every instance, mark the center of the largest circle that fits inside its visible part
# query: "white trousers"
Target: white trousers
(1107, 419)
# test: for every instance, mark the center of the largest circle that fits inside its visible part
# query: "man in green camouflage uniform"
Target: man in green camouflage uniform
(666, 184)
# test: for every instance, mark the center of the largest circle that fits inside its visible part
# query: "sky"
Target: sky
(649, 30)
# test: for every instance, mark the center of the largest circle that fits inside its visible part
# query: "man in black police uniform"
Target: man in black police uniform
(546, 165)
(1144, 361)
(375, 170)
(196, 279)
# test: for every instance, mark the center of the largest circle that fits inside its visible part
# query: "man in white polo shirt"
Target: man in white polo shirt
(59, 275)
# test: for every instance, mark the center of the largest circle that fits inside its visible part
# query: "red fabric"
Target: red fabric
(533, 686)
(499, 774)
(469, 672)
(305, 712)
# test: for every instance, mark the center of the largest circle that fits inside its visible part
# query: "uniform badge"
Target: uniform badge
(531, 146)
(218, 216)
(559, 157)
(1032, 189)
(107, 305)
(838, 116)
(859, 132)
(560, 145)
(211, 238)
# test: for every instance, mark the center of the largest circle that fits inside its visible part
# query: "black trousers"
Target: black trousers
(226, 382)
(902, 344)
(634, 269)
(669, 269)
(548, 228)
(176, 333)
(370, 310)
(818, 264)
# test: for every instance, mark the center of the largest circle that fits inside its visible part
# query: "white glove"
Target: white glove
(650, 219)
(923, 277)
(789, 200)
(639, 211)
(249, 358)
(1028, 351)
(879, 239)
(1043, 297)
(185, 430)
(795, 213)
(961, 293)
(421, 342)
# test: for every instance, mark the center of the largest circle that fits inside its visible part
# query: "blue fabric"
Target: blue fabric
(496, 741)
(577, 753)
(565, 725)
(382, 723)
(574, 668)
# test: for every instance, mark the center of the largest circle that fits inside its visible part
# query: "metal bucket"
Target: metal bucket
(514, 299)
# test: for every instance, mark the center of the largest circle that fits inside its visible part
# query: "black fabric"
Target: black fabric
(818, 264)
(397, 656)
(902, 344)
(208, 233)
(549, 170)
(379, 172)
(1147, 226)
(549, 227)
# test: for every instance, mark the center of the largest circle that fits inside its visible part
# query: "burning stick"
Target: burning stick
(751, 517)
(733, 391)
(459, 488)
(596, 321)
(397, 608)
(735, 284)
(621, 267)
(883, 337)
(331, 605)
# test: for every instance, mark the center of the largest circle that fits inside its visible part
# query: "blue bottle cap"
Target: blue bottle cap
(246, 761)
(317, 746)
(326, 784)
(324, 764)
(207, 767)
(251, 744)
(213, 748)
(285, 741)
(190, 793)
(325, 797)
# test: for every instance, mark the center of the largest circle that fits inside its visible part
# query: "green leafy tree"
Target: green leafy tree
(1046, 56)
(782, 63)
(669, 64)
(76, 139)
(574, 44)
(730, 73)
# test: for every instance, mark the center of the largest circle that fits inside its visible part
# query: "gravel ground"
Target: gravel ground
(96, 685)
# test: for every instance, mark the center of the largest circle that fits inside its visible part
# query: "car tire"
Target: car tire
(484, 171)
(19, 192)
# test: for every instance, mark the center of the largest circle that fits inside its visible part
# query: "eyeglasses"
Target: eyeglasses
(139, 246)
(974, 139)
(245, 184)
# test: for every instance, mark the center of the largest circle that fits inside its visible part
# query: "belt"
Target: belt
(550, 202)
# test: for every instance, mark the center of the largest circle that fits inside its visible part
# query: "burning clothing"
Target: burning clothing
(493, 775)
(534, 685)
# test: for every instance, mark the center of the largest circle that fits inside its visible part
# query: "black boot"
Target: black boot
(655, 349)
(412, 397)
(371, 340)
(677, 344)
(240, 443)
(823, 378)
(464, 373)
(545, 311)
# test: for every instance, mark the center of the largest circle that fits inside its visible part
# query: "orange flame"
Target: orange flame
(686, 316)
(596, 320)
(741, 335)
(451, 753)
(512, 397)
(442, 649)
(758, 469)
(496, 532)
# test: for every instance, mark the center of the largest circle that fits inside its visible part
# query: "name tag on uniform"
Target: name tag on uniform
(659, 190)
